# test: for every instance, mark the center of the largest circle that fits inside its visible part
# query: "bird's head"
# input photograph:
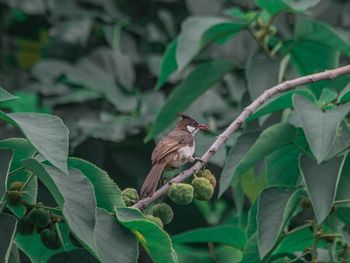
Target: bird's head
(190, 125)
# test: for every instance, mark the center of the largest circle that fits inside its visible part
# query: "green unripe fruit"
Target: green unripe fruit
(39, 217)
(16, 186)
(155, 220)
(50, 238)
(203, 190)
(164, 212)
(208, 175)
(14, 198)
(181, 193)
(130, 196)
(24, 226)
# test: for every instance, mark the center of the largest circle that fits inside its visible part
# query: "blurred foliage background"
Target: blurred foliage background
(96, 63)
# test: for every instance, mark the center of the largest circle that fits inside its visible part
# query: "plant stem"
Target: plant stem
(27, 181)
(19, 169)
(50, 208)
(340, 202)
(58, 230)
(298, 228)
(3, 202)
(236, 124)
(301, 256)
(314, 245)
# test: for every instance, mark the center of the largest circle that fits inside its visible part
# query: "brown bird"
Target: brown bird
(174, 150)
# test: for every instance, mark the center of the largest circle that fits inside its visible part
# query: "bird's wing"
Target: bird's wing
(171, 143)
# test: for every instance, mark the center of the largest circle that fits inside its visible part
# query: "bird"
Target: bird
(174, 150)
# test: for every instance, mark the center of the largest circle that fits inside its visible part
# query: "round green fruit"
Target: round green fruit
(24, 226)
(203, 190)
(181, 193)
(50, 238)
(155, 220)
(14, 198)
(130, 196)
(164, 212)
(16, 186)
(39, 217)
(208, 175)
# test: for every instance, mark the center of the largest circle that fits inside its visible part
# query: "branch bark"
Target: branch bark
(221, 139)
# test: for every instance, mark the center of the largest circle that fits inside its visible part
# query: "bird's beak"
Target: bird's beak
(203, 126)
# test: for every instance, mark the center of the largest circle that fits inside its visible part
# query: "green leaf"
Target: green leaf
(343, 192)
(296, 241)
(252, 219)
(229, 235)
(343, 213)
(277, 6)
(344, 95)
(7, 234)
(320, 127)
(301, 5)
(197, 82)
(280, 102)
(154, 240)
(275, 207)
(34, 248)
(26, 102)
(47, 133)
(252, 184)
(168, 65)
(81, 255)
(5, 163)
(315, 49)
(270, 140)
(5, 95)
(107, 193)
(234, 157)
(73, 194)
(113, 242)
(262, 73)
(251, 251)
(327, 96)
(321, 182)
(190, 40)
(282, 166)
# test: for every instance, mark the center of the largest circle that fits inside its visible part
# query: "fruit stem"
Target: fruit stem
(58, 230)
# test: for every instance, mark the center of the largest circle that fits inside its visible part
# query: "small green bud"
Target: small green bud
(181, 193)
(130, 196)
(155, 220)
(203, 190)
(164, 212)
(24, 226)
(50, 238)
(39, 217)
(16, 186)
(14, 198)
(208, 175)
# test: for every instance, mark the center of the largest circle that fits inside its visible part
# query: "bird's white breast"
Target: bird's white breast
(184, 153)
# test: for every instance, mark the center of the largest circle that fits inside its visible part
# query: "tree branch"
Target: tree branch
(221, 139)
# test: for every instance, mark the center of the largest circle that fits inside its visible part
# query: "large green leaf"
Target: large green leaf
(296, 241)
(270, 140)
(113, 242)
(197, 82)
(234, 157)
(229, 235)
(5, 163)
(5, 95)
(190, 40)
(321, 182)
(107, 193)
(282, 166)
(168, 65)
(320, 127)
(47, 133)
(252, 224)
(280, 102)
(155, 241)
(276, 6)
(262, 73)
(343, 192)
(275, 207)
(74, 195)
(315, 48)
(251, 251)
(7, 234)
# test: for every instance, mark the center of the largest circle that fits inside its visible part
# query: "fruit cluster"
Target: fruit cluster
(37, 219)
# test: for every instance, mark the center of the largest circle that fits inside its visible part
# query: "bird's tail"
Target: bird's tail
(151, 182)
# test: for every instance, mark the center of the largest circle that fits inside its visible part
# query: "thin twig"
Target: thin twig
(222, 138)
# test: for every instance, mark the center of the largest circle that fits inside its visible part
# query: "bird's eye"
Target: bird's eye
(194, 124)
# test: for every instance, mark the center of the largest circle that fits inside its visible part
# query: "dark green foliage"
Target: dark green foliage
(25, 226)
